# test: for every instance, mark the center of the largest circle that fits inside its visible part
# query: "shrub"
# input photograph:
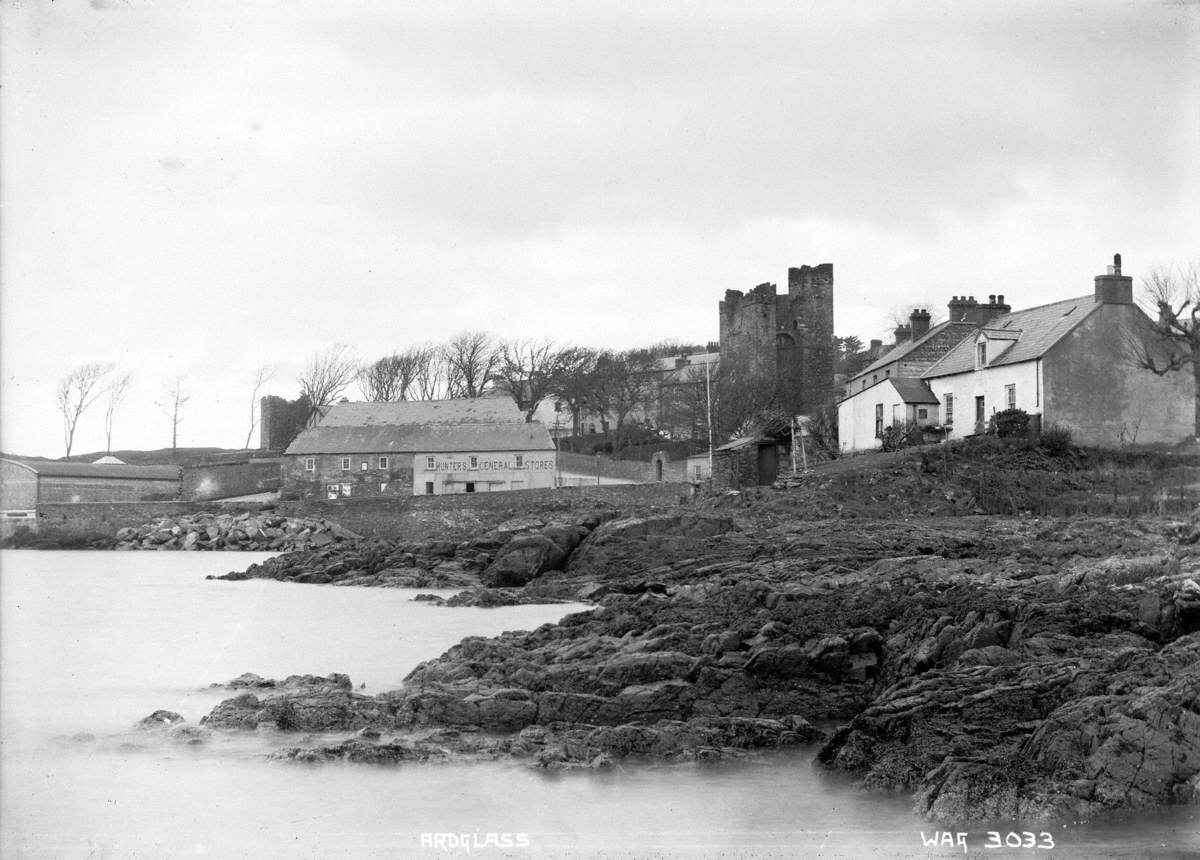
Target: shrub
(898, 436)
(1011, 423)
(1056, 440)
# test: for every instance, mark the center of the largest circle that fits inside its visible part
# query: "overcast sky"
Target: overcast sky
(196, 189)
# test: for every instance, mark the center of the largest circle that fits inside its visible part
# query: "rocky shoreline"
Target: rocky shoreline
(990, 667)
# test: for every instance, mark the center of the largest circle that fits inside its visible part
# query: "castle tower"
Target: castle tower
(781, 345)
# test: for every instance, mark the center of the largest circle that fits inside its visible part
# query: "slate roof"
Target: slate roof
(1040, 328)
(422, 439)
(900, 350)
(912, 390)
(424, 427)
(66, 469)
(478, 410)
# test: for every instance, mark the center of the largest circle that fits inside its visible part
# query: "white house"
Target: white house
(902, 402)
(1065, 363)
(1068, 364)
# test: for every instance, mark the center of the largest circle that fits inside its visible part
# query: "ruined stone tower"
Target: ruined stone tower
(783, 342)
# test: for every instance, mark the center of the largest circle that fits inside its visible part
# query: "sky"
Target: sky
(194, 190)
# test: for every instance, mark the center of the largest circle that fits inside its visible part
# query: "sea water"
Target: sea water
(91, 642)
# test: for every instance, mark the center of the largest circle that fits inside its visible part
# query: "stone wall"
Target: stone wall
(459, 516)
(409, 517)
(391, 481)
(102, 519)
(54, 489)
(239, 478)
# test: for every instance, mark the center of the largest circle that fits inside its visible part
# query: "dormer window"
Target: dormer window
(981, 354)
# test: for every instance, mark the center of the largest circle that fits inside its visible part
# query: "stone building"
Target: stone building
(26, 484)
(419, 447)
(783, 343)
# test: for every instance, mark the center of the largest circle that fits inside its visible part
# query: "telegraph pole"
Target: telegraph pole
(708, 403)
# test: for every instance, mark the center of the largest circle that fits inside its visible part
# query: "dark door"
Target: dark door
(768, 464)
(980, 415)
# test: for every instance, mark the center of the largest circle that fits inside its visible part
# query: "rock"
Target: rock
(523, 558)
(160, 720)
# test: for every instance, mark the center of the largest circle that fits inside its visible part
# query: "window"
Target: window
(520, 461)
(345, 489)
(1010, 396)
(474, 465)
(878, 420)
(470, 486)
(949, 409)
(887, 373)
(981, 354)
(383, 462)
(429, 465)
(922, 413)
(383, 486)
(429, 488)
(362, 467)
(333, 491)
(310, 464)
(345, 464)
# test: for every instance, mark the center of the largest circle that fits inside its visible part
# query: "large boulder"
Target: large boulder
(522, 559)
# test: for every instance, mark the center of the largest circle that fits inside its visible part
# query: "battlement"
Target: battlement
(783, 341)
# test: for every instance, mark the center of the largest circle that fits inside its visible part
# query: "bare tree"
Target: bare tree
(117, 389)
(1170, 343)
(261, 377)
(325, 377)
(429, 383)
(174, 398)
(471, 359)
(527, 370)
(573, 379)
(76, 392)
(391, 378)
(623, 383)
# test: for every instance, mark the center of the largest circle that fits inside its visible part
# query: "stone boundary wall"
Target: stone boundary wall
(458, 516)
(630, 470)
(408, 517)
(102, 519)
(240, 478)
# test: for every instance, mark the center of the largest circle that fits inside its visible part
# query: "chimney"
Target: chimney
(1114, 288)
(963, 309)
(918, 322)
(966, 309)
(876, 347)
(994, 308)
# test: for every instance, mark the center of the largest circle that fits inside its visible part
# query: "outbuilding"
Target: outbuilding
(26, 484)
(419, 447)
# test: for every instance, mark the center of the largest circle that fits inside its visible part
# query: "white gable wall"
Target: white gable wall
(856, 415)
(990, 384)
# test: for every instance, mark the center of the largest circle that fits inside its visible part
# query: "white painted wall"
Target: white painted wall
(856, 415)
(990, 383)
(489, 472)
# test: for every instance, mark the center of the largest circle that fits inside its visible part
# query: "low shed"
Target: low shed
(26, 484)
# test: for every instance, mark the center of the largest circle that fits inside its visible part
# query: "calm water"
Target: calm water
(92, 642)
